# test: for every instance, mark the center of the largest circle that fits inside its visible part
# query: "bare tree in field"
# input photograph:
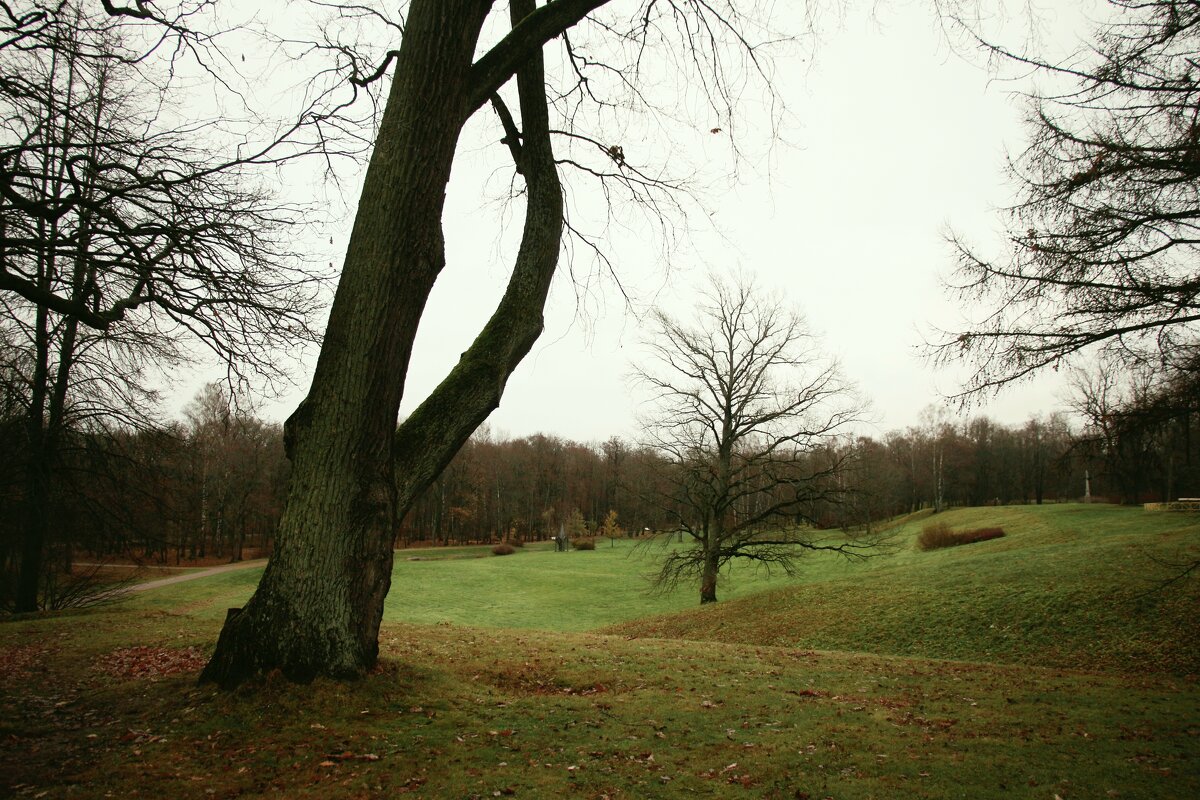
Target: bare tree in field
(318, 608)
(1104, 243)
(128, 236)
(747, 409)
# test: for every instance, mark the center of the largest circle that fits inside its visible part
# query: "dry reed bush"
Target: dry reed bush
(937, 535)
(584, 544)
(503, 549)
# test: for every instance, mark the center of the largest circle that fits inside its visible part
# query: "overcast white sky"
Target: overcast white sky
(891, 138)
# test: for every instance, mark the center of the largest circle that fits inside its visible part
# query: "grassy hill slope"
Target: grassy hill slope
(104, 704)
(1068, 586)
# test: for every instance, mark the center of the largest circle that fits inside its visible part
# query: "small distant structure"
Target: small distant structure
(561, 541)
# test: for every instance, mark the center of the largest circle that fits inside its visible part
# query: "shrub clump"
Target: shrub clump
(503, 549)
(938, 535)
(584, 544)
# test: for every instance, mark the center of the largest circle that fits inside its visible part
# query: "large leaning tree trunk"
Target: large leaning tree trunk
(319, 605)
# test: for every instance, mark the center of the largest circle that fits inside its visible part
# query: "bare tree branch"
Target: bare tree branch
(1103, 244)
(746, 409)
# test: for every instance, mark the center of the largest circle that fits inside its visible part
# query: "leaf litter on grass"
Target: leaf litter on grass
(456, 711)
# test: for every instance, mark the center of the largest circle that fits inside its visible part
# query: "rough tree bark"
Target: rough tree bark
(318, 608)
(708, 578)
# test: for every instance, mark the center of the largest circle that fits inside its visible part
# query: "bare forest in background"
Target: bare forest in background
(209, 487)
(128, 239)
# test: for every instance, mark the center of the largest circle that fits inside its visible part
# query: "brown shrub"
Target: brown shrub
(980, 535)
(503, 549)
(937, 535)
(584, 544)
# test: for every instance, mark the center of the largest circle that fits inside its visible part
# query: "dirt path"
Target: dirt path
(109, 565)
(191, 576)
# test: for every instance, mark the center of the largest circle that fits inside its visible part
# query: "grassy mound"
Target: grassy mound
(1068, 586)
(1075, 586)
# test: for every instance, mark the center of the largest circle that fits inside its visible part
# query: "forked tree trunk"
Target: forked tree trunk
(319, 605)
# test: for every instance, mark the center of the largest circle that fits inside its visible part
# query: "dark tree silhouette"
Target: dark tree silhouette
(747, 410)
(318, 608)
(1103, 245)
(125, 240)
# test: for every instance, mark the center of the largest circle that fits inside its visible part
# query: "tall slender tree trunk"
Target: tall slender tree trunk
(319, 605)
(46, 417)
(35, 523)
(710, 568)
(44, 423)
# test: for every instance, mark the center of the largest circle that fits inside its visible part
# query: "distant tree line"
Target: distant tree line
(211, 485)
(1134, 442)
(208, 486)
(526, 488)
(1140, 429)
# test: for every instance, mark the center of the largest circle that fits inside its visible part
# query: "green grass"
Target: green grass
(467, 712)
(534, 588)
(544, 590)
(496, 709)
(1069, 585)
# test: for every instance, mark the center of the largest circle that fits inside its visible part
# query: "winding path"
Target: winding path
(191, 576)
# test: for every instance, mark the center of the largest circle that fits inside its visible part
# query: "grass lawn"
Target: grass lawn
(1070, 585)
(534, 588)
(819, 686)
